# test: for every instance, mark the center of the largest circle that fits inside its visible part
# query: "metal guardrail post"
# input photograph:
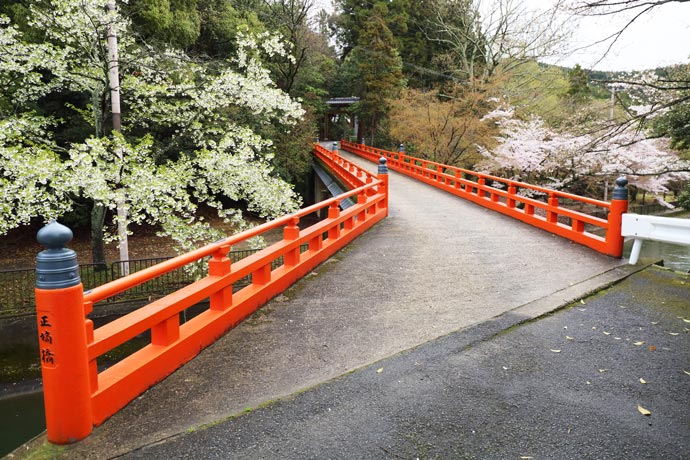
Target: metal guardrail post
(62, 338)
(654, 228)
(619, 206)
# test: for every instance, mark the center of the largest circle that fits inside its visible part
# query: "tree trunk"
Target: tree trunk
(114, 80)
(97, 244)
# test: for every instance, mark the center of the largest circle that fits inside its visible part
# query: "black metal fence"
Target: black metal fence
(650, 208)
(17, 286)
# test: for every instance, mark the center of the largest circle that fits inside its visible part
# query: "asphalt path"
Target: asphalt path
(573, 385)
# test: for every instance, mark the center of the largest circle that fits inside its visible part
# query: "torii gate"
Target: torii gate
(338, 106)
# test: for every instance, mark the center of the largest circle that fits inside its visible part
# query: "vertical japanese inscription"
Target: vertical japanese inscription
(47, 341)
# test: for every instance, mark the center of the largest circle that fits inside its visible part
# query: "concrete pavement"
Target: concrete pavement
(571, 385)
(437, 265)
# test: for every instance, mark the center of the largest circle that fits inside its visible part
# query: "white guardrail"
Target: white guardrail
(654, 228)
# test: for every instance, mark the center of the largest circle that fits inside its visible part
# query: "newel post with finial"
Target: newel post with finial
(382, 175)
(618, 207)
(62, 338)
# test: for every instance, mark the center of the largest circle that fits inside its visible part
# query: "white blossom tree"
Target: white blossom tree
(204, 150)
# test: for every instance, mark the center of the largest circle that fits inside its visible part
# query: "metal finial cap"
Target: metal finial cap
(383, 169)
(401, 147)
(57, 266)
(620, 192)
(54, 235)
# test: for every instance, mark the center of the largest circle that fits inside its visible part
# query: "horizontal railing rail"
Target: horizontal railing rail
(73, 406)
(17, 286)
(654, 228)
(535, 205)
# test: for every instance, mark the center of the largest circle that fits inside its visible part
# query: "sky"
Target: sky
(658, 38)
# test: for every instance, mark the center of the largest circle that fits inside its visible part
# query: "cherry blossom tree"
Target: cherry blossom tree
(530, 151)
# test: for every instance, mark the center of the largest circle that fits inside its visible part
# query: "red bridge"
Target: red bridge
(435, 265)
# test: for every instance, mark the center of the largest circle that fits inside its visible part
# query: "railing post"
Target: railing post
(362, 215)
(552, 216)
(383, 176)
(62, 338)
(291, 233)
(619, 206)
(334, 213)
(334, 149)
(512, 190)
(219, 265)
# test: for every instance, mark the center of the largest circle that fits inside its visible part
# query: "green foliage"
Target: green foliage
(18, 12)
(220, 22)
(204, 27)
(292, 151)
(408, 22)
(684, 199)
(420, 54)
(348, 79)
(176, 22)
(676, 124)
(578, 84)
(380, 67)
(538, 89)
(458, 27)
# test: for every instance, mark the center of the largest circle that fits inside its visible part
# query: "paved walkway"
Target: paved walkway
(571, 385)
(437, 265)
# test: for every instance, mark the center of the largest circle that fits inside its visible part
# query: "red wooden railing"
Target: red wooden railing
(503, 195)
(78, 396)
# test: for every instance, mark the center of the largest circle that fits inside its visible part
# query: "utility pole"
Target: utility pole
(613, 88)
(114, 81)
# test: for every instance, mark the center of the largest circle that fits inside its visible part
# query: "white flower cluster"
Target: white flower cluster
(211, 151)
(22, 66)
(31, 174)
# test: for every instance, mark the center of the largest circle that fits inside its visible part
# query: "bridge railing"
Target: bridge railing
(350, 173)
(78, 394)
(557, 213)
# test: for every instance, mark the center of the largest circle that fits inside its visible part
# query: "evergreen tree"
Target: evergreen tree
(381, 69)
(174, 22)
(578, 84)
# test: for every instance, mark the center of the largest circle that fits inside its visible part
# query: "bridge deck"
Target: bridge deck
(436, 265)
